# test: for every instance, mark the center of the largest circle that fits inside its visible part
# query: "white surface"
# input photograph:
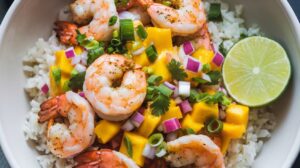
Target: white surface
(28, 20)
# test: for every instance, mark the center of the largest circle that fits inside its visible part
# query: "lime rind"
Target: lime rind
(256, 71)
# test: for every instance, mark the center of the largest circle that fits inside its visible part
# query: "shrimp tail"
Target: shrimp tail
(66, 32)
(53, 108)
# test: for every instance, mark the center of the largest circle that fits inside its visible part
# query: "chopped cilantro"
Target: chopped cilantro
(215, 77)
(76, 82)
(160, 105)
(175, 69)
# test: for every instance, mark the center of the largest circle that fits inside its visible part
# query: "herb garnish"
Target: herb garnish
(176, 70)
(128, 145)
(76, 82)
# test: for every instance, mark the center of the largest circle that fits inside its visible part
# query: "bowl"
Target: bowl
(28, 20)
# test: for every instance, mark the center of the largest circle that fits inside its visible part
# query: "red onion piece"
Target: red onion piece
(70, 52)
(169, 85)
(185, 106)
(188, 48)
(178, 100)
(171, 125)
(137, 119)
(192, 64)
(45, 88)
(81, 94)
(76, 60)
(218, 59)
(206, 77)
(221, 89)
(80, 68)
(138, 51)
(184, 88)
(141, 110)
(149, 151)
(128, 15)
(127, 126)
(171, 137)
(84, 58)
(175, 93)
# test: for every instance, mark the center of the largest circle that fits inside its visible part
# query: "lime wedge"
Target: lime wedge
(256, 71)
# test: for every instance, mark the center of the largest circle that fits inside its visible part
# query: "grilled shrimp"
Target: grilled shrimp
(66, 32)
(75, 131)
(95, 15)
(115, 87)
(198, 151)
(186, 20)
(104, 158)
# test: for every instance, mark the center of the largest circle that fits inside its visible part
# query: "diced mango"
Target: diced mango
(106, 130)
(161, 38)
(155, 36)
(235, 124)
(203, 111)
(205, 57)
(188, 122)
(173, 112)
(209, 90)
(141, 59)
(63, 62)
(160, 68)
(225, 144)
(237, 114)
(138, 144)
(233, 131)
(149, 124)
(78, 50)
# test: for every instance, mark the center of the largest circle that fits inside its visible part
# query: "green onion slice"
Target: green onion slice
(126, 30)
(116, 34)
(56, 73)
(215, 126)
(90, 44)
(214, 13)
(151, 53)
(156, 139)
(141, 32)
(153, 79)
(116, 42)
(163, 89)
(161, 150)
(128, 145)
(74, 72)
(113, 20)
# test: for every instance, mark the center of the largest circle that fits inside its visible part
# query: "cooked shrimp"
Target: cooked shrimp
(95, 13)
(66, 32)
(185, 20)
(198, 151)
(115, 87)
(68, 138)
(104, 158)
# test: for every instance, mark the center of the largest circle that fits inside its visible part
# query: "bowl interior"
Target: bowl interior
(33, 19)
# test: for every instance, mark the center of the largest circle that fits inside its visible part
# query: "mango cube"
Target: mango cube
(106, 130)
(188, 122)
(149, 124)
(173, 112)
(138, 144)
(237, 114)
(202, 112)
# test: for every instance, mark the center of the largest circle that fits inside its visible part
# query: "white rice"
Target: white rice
(241, 153)
(36, 68)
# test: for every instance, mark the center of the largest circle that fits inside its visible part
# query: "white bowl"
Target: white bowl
(27, 20)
